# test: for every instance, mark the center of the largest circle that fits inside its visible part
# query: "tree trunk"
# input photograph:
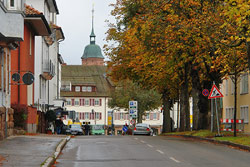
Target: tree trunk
(166, 113)
(196, 92)
(139, 117)
(182, 110)
(248, 53)
(235, 102)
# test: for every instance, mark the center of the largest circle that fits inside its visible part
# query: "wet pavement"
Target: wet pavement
(27, 151)
(147, 151)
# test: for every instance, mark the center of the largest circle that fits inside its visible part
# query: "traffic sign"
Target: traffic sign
(205, 92)
(132, 121)
(215, 93)
(125, 128)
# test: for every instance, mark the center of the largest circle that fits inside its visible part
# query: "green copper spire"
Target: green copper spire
(92, 35)
(92, 50)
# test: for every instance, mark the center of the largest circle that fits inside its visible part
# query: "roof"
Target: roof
(31, 11)
(37, 20)
(92, 51)
(88, 76)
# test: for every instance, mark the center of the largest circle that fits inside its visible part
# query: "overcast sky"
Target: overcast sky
(75, 19)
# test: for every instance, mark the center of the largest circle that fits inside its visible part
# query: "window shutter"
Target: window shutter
(119, 116)
(83, 115)
(73, 102)
(115, 116)
(90, 102)
(93, 102)
(158, 116)
(83, 102)
(151, 116)
(100, 115)
(100, 102)
(80, 102)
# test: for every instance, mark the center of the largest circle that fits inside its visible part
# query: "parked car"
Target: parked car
(142, 129)
(97, 130)
(74, 129)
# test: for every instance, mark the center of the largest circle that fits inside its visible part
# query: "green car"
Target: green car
(97, 129)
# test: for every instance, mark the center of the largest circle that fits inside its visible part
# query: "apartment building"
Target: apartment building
(243, 99)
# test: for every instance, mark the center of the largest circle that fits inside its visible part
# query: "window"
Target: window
(77, 102)
(230, 113)
(12, 3)
(244, 84)
(68, 103)
(86, 102)
(244, 113)
(84, 89)
(155, 116)
(77, 89)
(98, 115)
(227, 87)
(232, 87)
(121, 115)
(86, 115)
(89, 89)
(96, 102)
(147, 115)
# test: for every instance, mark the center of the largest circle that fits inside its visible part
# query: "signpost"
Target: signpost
(133, 109)
(214, 94)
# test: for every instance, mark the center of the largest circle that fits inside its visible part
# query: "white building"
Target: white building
(47, 58)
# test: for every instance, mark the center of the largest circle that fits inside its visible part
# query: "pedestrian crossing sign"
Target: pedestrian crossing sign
(215, 93)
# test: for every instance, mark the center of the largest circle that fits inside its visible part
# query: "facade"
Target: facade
(243, 101)
(47, 59)
(23, 61)
(11, 16)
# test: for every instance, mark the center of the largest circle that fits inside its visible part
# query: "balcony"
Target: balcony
(12, 15)
(48, 69)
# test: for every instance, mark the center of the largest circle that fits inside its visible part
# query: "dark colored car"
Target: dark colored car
(142, 129)
(74, 129)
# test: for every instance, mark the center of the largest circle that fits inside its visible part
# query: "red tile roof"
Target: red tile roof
(55, 26)
(31, 11)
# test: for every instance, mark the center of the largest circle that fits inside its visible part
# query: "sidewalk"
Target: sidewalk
(27, 151)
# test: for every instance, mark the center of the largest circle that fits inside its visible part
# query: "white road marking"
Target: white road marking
(160, 151)
(143, 141)
(172, 158)
(136, 138)
(149, 145)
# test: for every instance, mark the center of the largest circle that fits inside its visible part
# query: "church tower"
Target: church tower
(92, 53)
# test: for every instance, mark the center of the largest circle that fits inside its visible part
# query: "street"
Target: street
(144, 151)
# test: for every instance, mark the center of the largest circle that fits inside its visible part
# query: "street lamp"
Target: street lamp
(93, 112)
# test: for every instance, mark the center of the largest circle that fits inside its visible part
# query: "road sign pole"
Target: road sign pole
(212, 115)
(217, 117)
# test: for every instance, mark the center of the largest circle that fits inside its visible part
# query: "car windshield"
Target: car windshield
(97, 127)
(75, 127)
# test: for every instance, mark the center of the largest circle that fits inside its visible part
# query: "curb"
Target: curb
(227, 143)
(50, 160)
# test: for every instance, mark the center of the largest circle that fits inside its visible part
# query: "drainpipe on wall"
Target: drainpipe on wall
(19, 66)
(6, 93)
(2, 73)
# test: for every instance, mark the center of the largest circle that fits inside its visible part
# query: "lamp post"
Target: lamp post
(93, 112)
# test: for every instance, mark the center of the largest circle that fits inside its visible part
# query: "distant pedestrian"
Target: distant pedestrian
(86, 127)
(59, 124)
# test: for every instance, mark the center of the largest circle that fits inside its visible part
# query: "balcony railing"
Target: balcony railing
(48, 69)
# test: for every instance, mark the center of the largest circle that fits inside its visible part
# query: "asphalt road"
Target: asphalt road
(147, 151)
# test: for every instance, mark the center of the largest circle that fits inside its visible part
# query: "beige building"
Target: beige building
(243, 100)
